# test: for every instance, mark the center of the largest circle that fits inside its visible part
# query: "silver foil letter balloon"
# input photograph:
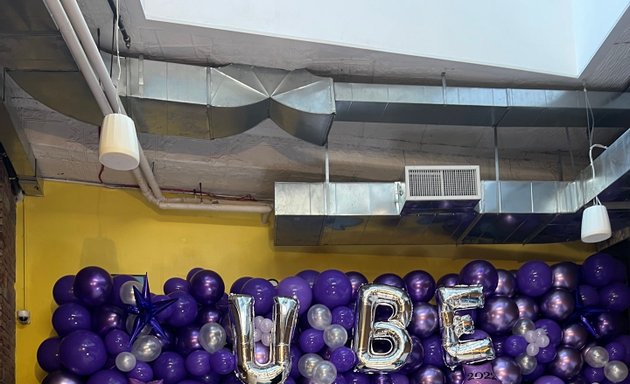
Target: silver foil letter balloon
(393, 330)
(276, 370)
(453, 326)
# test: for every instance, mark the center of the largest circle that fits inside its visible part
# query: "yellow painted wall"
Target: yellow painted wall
(75, 226)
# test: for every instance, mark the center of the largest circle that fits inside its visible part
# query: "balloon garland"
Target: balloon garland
(544, 324)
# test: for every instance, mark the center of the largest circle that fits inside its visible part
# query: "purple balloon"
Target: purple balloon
(263, 292)
(527, 307)
(222, 361)
(340, 379)
(63, 290)
(451, 280)
(71, 317)
(238, 284)
(420, 286)
(480, 272)
(506, 283)
(167, 312)
(142, 371)
(207, 287)
(48, 354)
(170, 367)
(498, 315)
(198, 363)
(534, 278)
(82, 352)
(455, 377)
(615, 296)
(381, 378)
(567, 364)
(192, 272)
(117, 282)
(184, 309)
(433, 354)
(213, 378)
(548, 380)
(176, 284)
(117, 341)
(415, 358)
(356, 378)
(399, 378)
(343, 358)
(499, 345)
(558, 304)
(61, 377)
(625, 341)
(343, 316)
(538, 372)
(107, 377)
(390, 279)
(357, 279)
(208, 315)
(515, 345)
(575, 336)
(332, 288)
(547, 354)
(598, 270)
(609, 324)
(299, 289)
(424, 320)
(565, 275)
(428, 374)
(588, 295)
(311, 340)
(93, 286)
(554, 332)
(506, 370)
(593, 375)
(295, 357)
(108, 317)
(309, 275)
(187, 340)
(616, 351)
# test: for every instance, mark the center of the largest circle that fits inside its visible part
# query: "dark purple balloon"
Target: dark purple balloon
(574, 335)
(211, 378)
(450, 280)
(499, 345)
(554, 332)
(207, 287)
(222, 361)
(61, 377)
(142, 371)
(357, 279)
(565, 275)
(547, 354)
(117, 282)
(187, 340)
(399, 378)
(625, 341)
(208, 315)
(615, 296)
(498, 315)
(480, 272)
(332, 288)
(192, 272)
(609, 324)
(455, 377)
(48, 354)
(230, 379)
(415, 358)
(558, 304)
(311, 340)
(433, 354)
(548, 380)
(527, 307)
(107, 377)
(356, 378)
(390, 279)
(593, 375)
(340, 379)
(295, 357)
(223, 304)
(63, 290)
(71, 317)
(515, 345)
(381, 378)
(176, 284)
(82, 352)
(424, 320)
(238, 284)
(538, 372)
(263, 292)
(420, 286)
(184, 309)
(598, 270)
(299, 289)
(506, 283)
(309, 275)
(93, 286)
(427, 374)
(567, 364)
(170, 367)
(343, 358)
(116, 341)
(343, 316)
(588, 295)
(198, 363)
(616, 351)
(534, 278)
(108, 317)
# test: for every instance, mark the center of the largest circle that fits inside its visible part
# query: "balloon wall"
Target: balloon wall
(563, 323)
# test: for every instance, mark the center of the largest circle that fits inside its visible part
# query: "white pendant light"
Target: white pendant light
(118, 147)
(595, 224)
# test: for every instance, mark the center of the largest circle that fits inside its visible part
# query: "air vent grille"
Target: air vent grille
(442, 183)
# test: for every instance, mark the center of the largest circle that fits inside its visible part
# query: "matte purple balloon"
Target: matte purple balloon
(208, 315)
(616, 351)
(480, 272)
(117, 282)
(71, 317)
(192, 272)
(61, 377)
(309, 275)
(506, 283)
(588, 295)
(433, 353)
(574, 335)
(207, 287)
(82, 352)
(428, 374)
(108, 317)
(415, 358)
(187, 340)
(615, 296)
(424, 320)
(263, 292)
(311, 340)
(176, 284)
(548, 380)
(343, 316)
(554, 332)
(567, 364)
(558, 304)
(420, 286)
(170, 367)
(117, 341)
(506, 370)
(593, 375)
(357, 279)
(498, 315)
(48, 354)
(93, 286)
(142, 371)
(527, 307)
(343, 358)
(547, 354)
(107, 377)
(534, 278)
(598, 270)
(450, 280)
(299, 289)
(515, 345)
(565, 275)
(198, 363)
(63, 290)
(222, 361)
(332, 288)
(184, 309)
(390, 279)
(238, 284)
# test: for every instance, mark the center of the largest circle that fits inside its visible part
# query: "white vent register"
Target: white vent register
(430, 183)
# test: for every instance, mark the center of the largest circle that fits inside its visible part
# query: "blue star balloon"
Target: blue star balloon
(146, 310)
(585, 314)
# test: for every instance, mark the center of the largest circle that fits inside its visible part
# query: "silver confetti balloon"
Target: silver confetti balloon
(574, 335)
(527, 363)
(335, 336)
(276, 371)
(393, 330)
(522, 325)
(324, 373)
(596, 357)
(125, 361)
(616, 371)
(506, 370)
(567, 364)
(307, 364)
(212, 337)
(319, 317)
(127, 295)
(146, 348)
(453, 326)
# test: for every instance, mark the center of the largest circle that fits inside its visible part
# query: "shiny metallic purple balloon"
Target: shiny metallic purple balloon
(63, 290)
(567, 364)
(357, 279)
(599, 269)
(506, 284)
(480, 272)
(93, 286)
(61, 377)
(527, 307)
(420, 286)
(498, 315)
(610, 324)
(533, 278)
(575, 336)
(565, 275)
(455, 377)
(207, 287)
(615, 296)
(187, 340)
(449, 280)
(108, 317)
(428, 374)
(415, 358)
(424, 320)
(310, 276)
(390, 279)
(208, 314)
(558, 304)
(588, 295)
(506, 370)
(549, 380)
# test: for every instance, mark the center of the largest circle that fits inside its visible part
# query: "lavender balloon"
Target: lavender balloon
(527, 307)
(357, 279)
(63, 290)
(390, 279)
(424, 320)
(534, 278)
(332, 288)
(558, 304)
(420, 286)
(480, 272)
(567, 364)
(428, 374)
(93, 286)
(299, 289)
(506, 370)
(498, 315)
(565, 275)
(207, 287)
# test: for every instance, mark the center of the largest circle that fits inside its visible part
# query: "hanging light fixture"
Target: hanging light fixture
(118, 147)
(595, 221)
